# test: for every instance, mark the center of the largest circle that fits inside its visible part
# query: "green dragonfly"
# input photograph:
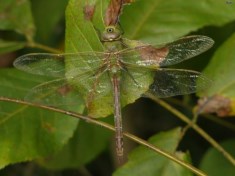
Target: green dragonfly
(109, 80)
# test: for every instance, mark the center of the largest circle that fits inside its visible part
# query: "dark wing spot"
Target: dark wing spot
(64, 90)
(152, 53)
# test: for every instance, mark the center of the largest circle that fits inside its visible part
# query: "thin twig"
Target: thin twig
(220, 121)
(194, 126)
(43, 47)
(212, 118)
(110, 127)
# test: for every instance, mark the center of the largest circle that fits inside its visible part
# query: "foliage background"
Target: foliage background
(30, 133)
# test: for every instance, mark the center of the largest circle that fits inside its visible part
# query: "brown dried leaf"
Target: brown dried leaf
(113, 12)
(218, 104)
(128, 1)
(89, 11)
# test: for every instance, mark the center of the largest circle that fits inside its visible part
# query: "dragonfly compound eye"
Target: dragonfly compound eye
(110, 30)
(111, 33)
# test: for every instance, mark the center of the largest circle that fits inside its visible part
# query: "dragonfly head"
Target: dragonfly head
(111, 33)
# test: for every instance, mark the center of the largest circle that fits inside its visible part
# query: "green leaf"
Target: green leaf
(46, 20)
(27, 133)
(88, 141)
(82, 35)
(80, 28)
(221, 70)
(16, 15)
(158, 21)
(214, 163)
(41, 133)
(8, 46)
(143, 161)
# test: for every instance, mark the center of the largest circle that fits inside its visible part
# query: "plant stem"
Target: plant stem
(110, 127)
(207, 116)
(43, 47)
(220, 121)
(194, 126)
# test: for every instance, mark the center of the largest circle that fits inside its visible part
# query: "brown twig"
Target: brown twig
(110, 127)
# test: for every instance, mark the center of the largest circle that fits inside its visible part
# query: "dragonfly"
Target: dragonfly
(119, 75)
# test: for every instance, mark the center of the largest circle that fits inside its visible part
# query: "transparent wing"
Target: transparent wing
(169, 54)
(53, 93)
(172, 82)
(71, 90)
(54, 64)
(80, 75)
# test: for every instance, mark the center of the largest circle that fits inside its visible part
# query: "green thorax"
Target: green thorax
(112, 39)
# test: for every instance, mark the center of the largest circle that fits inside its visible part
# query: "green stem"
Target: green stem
(214, 119)
(194, 126)
(43, 47)
(220, 121)
(110, 127)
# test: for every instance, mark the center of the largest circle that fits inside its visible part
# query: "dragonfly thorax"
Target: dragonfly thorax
(112, 39)
(113, 64)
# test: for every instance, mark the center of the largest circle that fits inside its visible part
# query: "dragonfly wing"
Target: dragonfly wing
(134, 82)
(93, 89)
(96, 90)
(172, 82)
(81, 63)
(54, 64)
(186, 48)
(54, 93)
(169, 54)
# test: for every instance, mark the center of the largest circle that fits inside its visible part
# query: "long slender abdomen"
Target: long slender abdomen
(117, 115)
